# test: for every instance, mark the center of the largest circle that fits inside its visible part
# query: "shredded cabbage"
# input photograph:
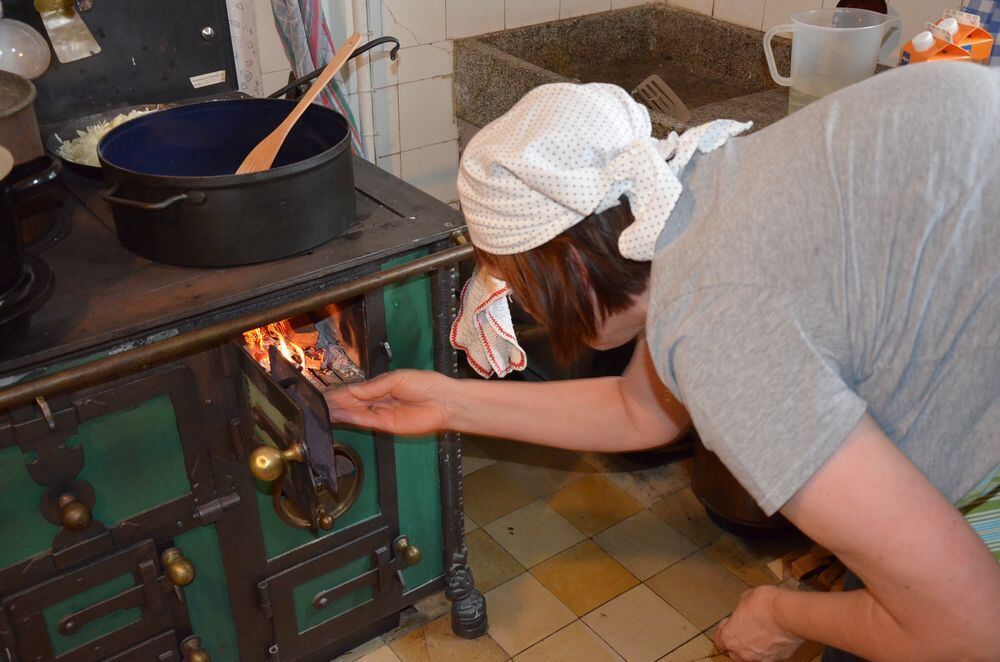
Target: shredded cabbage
(83, 149)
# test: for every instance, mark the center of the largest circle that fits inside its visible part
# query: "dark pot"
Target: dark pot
(24, 279)
(726, 501)
(18, 124)
(175, 198)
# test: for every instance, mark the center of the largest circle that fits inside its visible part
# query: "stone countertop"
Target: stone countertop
(492, 72)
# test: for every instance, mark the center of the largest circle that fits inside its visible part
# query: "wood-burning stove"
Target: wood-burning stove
(131, 523)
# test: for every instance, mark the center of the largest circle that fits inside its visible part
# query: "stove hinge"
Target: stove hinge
(264, 598)
(210, 511)
(7, 644)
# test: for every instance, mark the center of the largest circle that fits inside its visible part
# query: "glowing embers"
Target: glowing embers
(324, 346)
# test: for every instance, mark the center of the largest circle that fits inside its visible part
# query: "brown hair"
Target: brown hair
(553, 281)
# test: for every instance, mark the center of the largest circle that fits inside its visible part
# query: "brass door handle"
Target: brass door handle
(410, 554)
(73, 513)
(268, 463)
(193, 652)
(179, 569)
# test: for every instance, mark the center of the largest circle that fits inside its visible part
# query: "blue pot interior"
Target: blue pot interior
(212, 138)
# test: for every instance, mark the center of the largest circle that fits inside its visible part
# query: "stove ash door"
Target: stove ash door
(313, 478)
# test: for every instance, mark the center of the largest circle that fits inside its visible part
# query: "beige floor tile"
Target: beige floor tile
(699, 588)
(491, 564)
(500, 449)
(359, 652)
(644, 544)
(545, 470)
(474, 457)
(435, 642)
(640, 626)
(522, 612)
(470, 524)
(643, 482)
(534, 533)
(699, 649)
(492, 492)
(593, 504)
(434, 605)
(747, 560)
(574, 643)
(584, 577)
(684, 512)
(381, 654)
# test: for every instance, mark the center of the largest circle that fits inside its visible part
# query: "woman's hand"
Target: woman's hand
(751, 634)
(400, 402)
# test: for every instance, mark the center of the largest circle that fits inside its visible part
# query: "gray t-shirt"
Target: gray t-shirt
(843, 259)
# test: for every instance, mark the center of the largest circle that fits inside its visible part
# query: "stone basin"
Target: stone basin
(716, 68)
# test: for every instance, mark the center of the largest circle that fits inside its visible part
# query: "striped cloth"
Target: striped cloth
(981, 508)
(306, 39)
(989, 11)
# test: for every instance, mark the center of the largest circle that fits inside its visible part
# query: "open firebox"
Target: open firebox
(286, 367)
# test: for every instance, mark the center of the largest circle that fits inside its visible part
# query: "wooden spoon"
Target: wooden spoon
(262, 156)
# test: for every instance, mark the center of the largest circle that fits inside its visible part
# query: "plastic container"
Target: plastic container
(831, 49)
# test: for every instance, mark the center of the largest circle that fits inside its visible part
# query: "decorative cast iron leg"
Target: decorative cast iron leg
(468, 606)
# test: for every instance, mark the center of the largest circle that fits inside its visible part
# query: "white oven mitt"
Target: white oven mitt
(483, 328)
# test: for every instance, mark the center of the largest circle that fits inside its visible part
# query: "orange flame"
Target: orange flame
(258, 340)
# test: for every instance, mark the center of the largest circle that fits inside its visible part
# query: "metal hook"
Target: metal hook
(46, 412)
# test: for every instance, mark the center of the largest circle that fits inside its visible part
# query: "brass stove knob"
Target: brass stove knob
(73, 513)
(411, 553)
(179, 569)
(193, 652)
(268, 463)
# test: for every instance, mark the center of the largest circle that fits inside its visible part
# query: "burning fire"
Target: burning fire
(319, 353)
(258, 341)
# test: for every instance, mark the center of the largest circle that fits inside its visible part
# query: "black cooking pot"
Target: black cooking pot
(24, 279)
(176, 199)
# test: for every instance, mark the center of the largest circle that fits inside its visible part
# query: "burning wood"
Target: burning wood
(319, 352)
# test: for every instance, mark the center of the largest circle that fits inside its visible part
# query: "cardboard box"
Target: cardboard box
(942, 50)
(971, 37)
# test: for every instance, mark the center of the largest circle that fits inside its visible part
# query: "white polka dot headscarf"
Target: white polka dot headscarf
(566, 151)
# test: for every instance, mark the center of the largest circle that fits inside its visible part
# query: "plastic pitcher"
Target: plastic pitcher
(831, 49)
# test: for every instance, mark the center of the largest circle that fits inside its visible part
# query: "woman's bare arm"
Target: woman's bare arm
(630, 412)
(932, 587)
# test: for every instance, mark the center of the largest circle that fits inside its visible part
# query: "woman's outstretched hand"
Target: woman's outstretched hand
(400, 402)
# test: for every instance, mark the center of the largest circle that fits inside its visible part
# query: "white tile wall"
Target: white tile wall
(389, 163)
(749, 13)
(385, 107)
(471, 17)
(529, 12)
(433, 169)
(413, 21)
(780, 11)
(570, 8)
(426, 61)
(701, 6)
(620, 4)
(426, 113)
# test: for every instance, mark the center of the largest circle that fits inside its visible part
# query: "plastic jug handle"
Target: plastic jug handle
(769, 52)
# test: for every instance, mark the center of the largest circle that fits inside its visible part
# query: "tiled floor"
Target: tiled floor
(587, 557)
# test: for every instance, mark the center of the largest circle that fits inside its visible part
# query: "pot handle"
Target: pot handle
(194, 197)
(357, 51)
(37, 180)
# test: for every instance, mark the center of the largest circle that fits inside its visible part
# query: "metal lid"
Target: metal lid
(16, 93)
